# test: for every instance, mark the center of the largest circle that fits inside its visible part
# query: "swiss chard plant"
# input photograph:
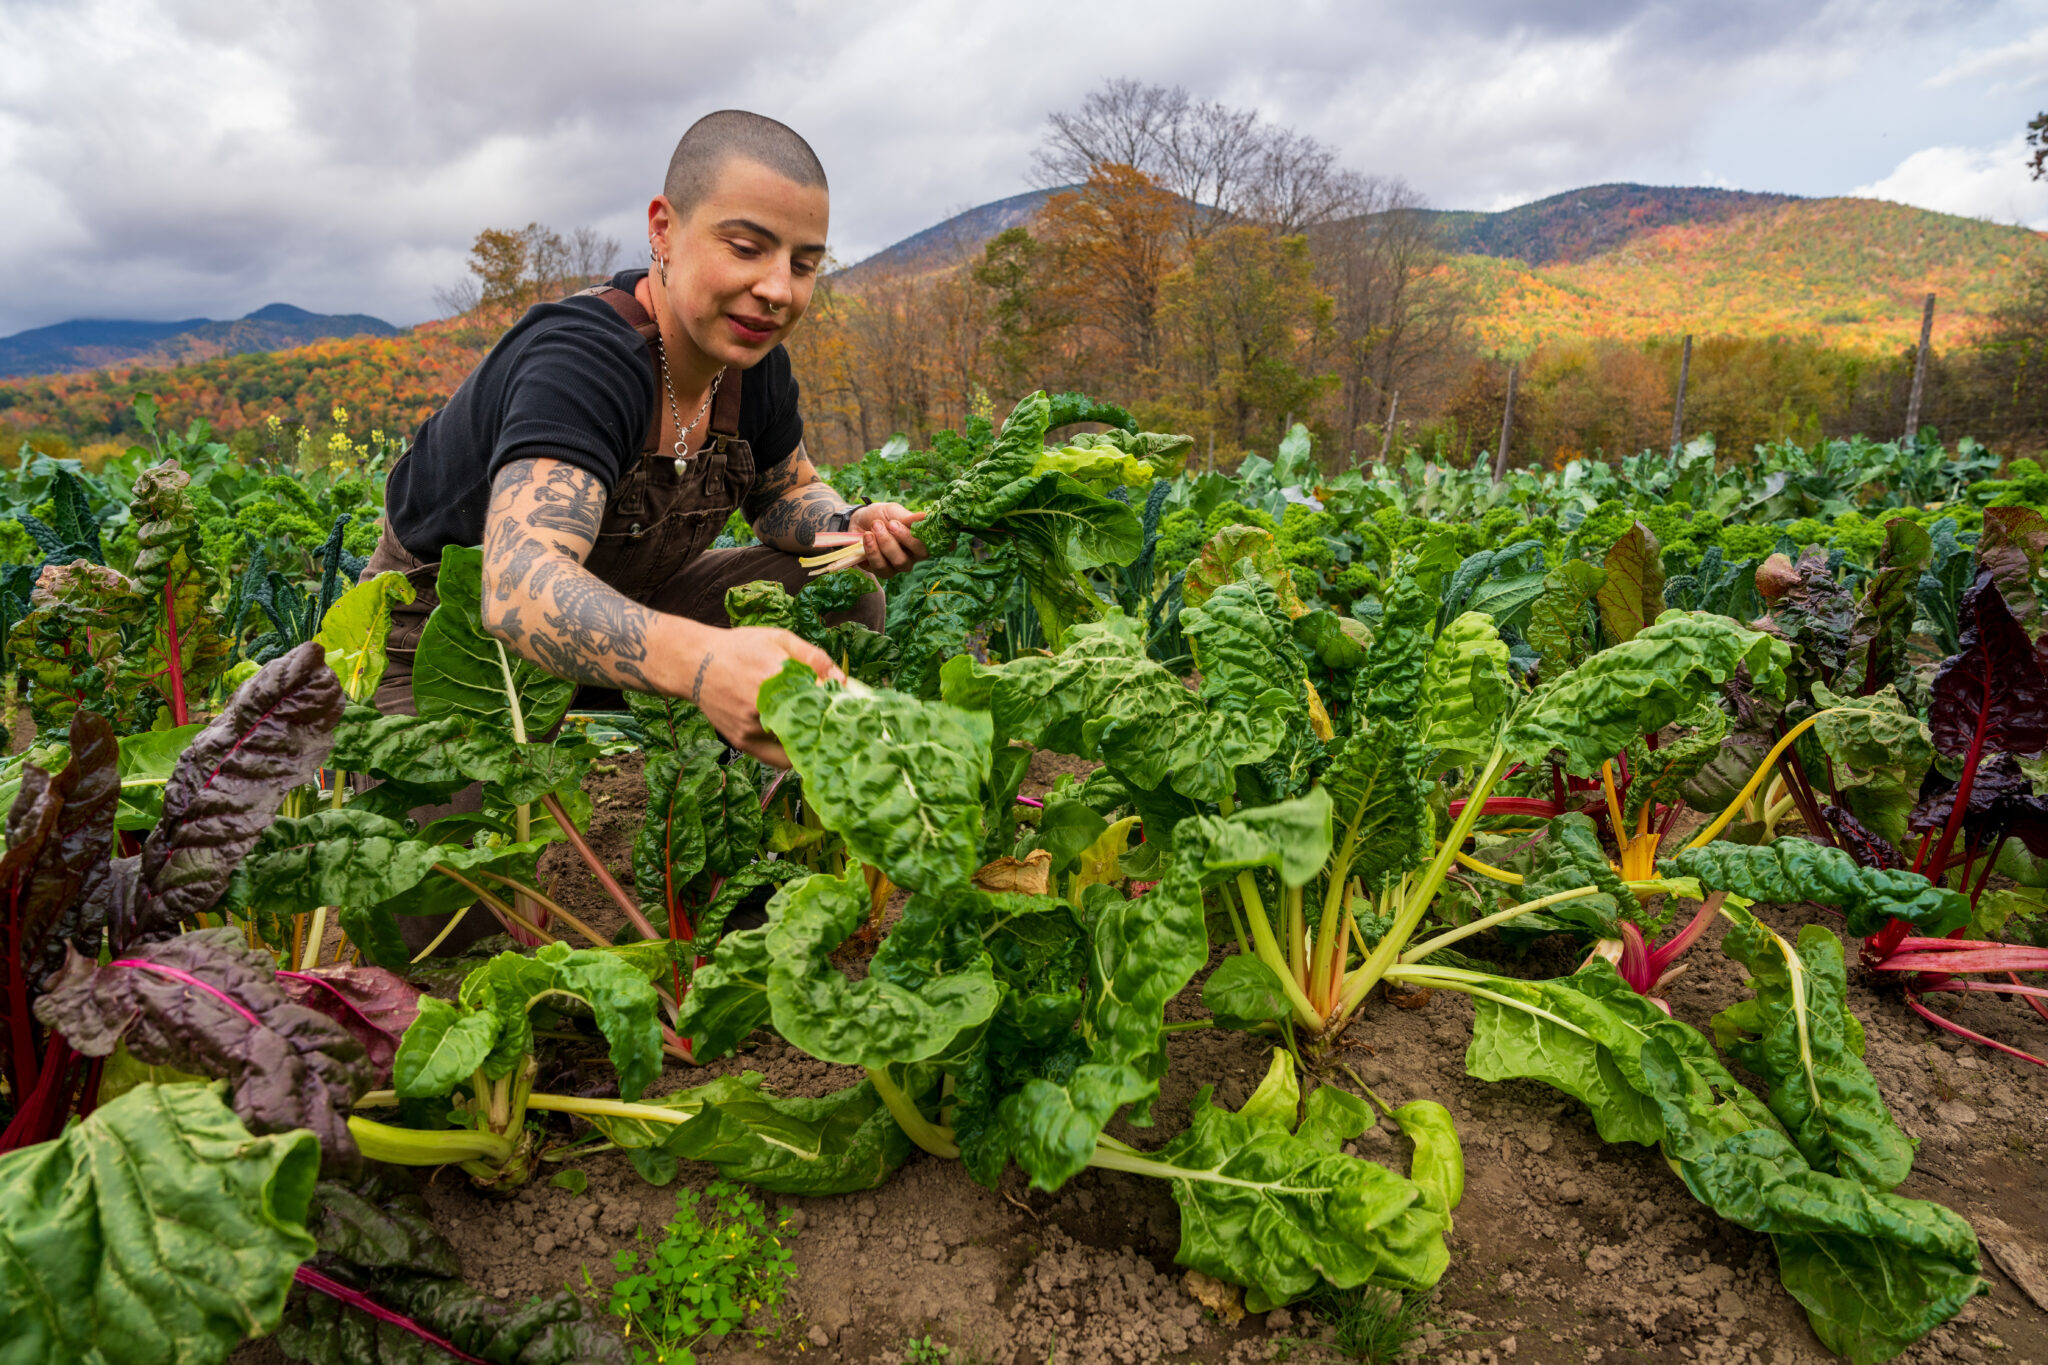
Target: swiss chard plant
(1002, 1027)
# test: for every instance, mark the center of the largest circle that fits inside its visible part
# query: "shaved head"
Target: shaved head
(718, 138)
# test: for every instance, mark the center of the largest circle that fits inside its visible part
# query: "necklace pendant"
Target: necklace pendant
(682, 465)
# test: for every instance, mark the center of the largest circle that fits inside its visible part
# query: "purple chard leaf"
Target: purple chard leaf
(206, 1002)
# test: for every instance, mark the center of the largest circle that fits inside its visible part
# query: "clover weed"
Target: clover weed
(714, 1267)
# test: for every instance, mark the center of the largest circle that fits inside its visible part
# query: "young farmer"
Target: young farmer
(599, 448)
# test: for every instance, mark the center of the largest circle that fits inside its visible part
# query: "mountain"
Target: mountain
(946, 242)
(1579, 224)
(1847, 272)
(1639, 261)
(95, 343)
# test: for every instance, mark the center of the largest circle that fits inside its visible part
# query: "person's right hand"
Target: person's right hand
(734, 665)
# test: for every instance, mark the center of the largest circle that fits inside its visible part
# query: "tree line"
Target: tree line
(1223, 275)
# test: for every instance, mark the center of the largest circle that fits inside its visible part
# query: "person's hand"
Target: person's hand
(734, 665)
(885, 533)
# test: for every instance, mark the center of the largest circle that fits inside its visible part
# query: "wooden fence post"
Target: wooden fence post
(1387, 438)
(1678, 408)
(1507, 429)
(1919, 373)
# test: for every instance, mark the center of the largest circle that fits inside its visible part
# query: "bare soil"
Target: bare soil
(1566, 1249)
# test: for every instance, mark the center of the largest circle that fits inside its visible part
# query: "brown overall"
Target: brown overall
(653, 546)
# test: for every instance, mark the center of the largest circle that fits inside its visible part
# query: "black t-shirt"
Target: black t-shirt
(571, 382)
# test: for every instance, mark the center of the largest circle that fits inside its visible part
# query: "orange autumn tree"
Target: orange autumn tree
(1113, 241)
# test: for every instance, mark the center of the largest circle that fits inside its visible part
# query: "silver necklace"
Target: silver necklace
(683, 432)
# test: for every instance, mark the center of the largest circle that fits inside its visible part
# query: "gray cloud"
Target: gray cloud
(208, 156)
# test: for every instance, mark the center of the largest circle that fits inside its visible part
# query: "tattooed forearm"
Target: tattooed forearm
(571, 500)
(697, 687)
(791, 504)
(587, 630)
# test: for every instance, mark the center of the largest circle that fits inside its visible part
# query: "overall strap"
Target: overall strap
(725, 407)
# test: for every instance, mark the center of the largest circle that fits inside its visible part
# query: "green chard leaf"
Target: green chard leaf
(1637, 688)
(1280, 1213)
(461, 669)
(1787, 871)
(354, 630)
(157, 1229)
(900, 780)
(1812, 1057)
(1465, 692)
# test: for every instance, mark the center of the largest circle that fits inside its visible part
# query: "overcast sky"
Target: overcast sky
(177, 158)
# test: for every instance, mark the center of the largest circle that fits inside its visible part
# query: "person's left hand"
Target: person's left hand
(885, 533)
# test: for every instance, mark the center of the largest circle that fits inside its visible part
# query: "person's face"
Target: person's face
(742, 265)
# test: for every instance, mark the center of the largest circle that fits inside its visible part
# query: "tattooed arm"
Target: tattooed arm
(540, 600)
(790, 504)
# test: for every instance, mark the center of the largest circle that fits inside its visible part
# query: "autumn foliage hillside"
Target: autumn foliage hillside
(1849, 273)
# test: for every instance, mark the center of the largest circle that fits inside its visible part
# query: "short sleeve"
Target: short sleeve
(580, 393)
(781, 427)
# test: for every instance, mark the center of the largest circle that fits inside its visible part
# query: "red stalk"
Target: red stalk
(177, 668)
(2039, 1008)
(2004, 958)
(597, 867)
(1635, 960)
(1951, 1026)
(1994, 987)
(1962, 800)
(41, 1115)
(363, 1303)
(1513, 805)
(1674, 948)
(20, 1026)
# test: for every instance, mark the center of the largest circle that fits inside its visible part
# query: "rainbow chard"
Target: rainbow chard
(386, 1289)
(64, 888)
(58, 834)
(1989, 706)
(186, 650)
(1006, 1027)
(1811, 1165)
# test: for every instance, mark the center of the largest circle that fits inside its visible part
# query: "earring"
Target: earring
(654, 258)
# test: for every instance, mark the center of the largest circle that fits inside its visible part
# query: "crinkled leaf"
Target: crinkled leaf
(1991, 695)
(836, 1144)
(58, 832)
(1265, 1209)
(1660, 774)
(1230, 553)
(1640, 687)
(1390, 684)
(462, 670)
(206, 1002)
(899, 779)
(1811, 1058)
(1465, 691)
(272, 736)
(376, 1006)
(1884, 618)
(867, 1023)
(1383, 825)
(552, 1329)
(1101, 698)
(1787, 871)
(156, 1231)
(1874, 1272)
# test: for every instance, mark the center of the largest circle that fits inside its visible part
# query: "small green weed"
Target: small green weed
(925, 1351)
(1377, 1326)
(710, 1271)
